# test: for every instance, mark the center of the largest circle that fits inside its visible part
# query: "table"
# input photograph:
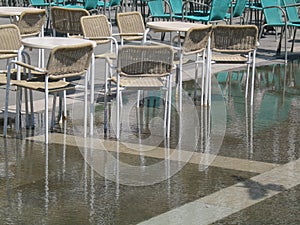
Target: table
(52, 42)
(173, 26)
(14, 11)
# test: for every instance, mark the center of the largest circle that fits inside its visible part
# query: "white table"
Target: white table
(7, 11)
(52, 42)
(172, 26)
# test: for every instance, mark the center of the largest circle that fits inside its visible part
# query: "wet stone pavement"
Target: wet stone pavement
(225, 164)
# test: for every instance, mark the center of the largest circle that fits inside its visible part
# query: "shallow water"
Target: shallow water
(59, 184)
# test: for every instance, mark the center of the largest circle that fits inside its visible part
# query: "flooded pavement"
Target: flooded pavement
(71, 181)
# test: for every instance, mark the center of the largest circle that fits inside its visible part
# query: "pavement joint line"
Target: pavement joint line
(232, 199)
(204, 159)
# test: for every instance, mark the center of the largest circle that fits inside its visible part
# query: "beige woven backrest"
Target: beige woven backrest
(234, 38)
(31, 22)
(67, 20)
(130, 22)
(10, 38)
(69, 61)
(96, 27)
(145, 60)
(196, 39)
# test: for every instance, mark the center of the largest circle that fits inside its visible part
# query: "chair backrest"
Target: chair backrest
(148, 60)
(292, 11)
(31, 22)
(90, 4)
(272, 15)
(67, 20)
(156, 7)
(239, 8)
(69, 61)
(218, 9)
(112, 3)
(38, 3)
(96, 27)
(10, 40)
(176, 6)
(130, 22)
(234, 38)
(196, 39)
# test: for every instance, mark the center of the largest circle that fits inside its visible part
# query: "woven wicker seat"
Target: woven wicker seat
(235, 44)
(196, 43)
(67, 20)
(131, 26)
(31, 22)
(63, 62)
(144, 68)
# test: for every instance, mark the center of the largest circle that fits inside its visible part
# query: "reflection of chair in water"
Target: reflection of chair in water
(63, 62)
(144, 68)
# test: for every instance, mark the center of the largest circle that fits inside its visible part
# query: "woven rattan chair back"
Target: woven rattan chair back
(131, 23)
(145, 60)
(96, 28)
(234, 38)
(10, 41)
(196, 39)
(69, 61)
(31, 22)
(67, 20)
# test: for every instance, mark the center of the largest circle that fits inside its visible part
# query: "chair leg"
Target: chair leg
(46, 110)
(253, 76)
(169, 106)
(85, 106)
(118, 110)
(6, 101)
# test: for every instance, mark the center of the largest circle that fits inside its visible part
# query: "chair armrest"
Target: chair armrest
(25, 65)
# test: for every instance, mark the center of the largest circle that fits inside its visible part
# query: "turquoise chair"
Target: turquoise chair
(110, 6)
(291, 10)
(157, 10)
(238, 11)
(89, 5)
(217, 11)
(176, 7)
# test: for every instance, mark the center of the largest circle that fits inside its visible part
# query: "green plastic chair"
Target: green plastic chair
(275, 16)
(110, 6)
(157, 10)
(176, 7)
(238, 11)
(89, 5)
(216, 13)
(291, 9)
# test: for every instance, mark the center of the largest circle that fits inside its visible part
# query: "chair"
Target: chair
(176, 7)
(216, 13)
(98, 29)
(275, 16)
(110, 6)
(238, 11)
(235, 44)
(90, 5)
(63, 62)
(131, 26)
(144, 68)
(291, 9)
(159, 9)
(67, 20)
(31, 23)
(195, 43)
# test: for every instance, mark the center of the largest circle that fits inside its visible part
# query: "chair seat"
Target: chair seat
(38, 85)
(229, 58)
(110, 55)
(140, 82)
